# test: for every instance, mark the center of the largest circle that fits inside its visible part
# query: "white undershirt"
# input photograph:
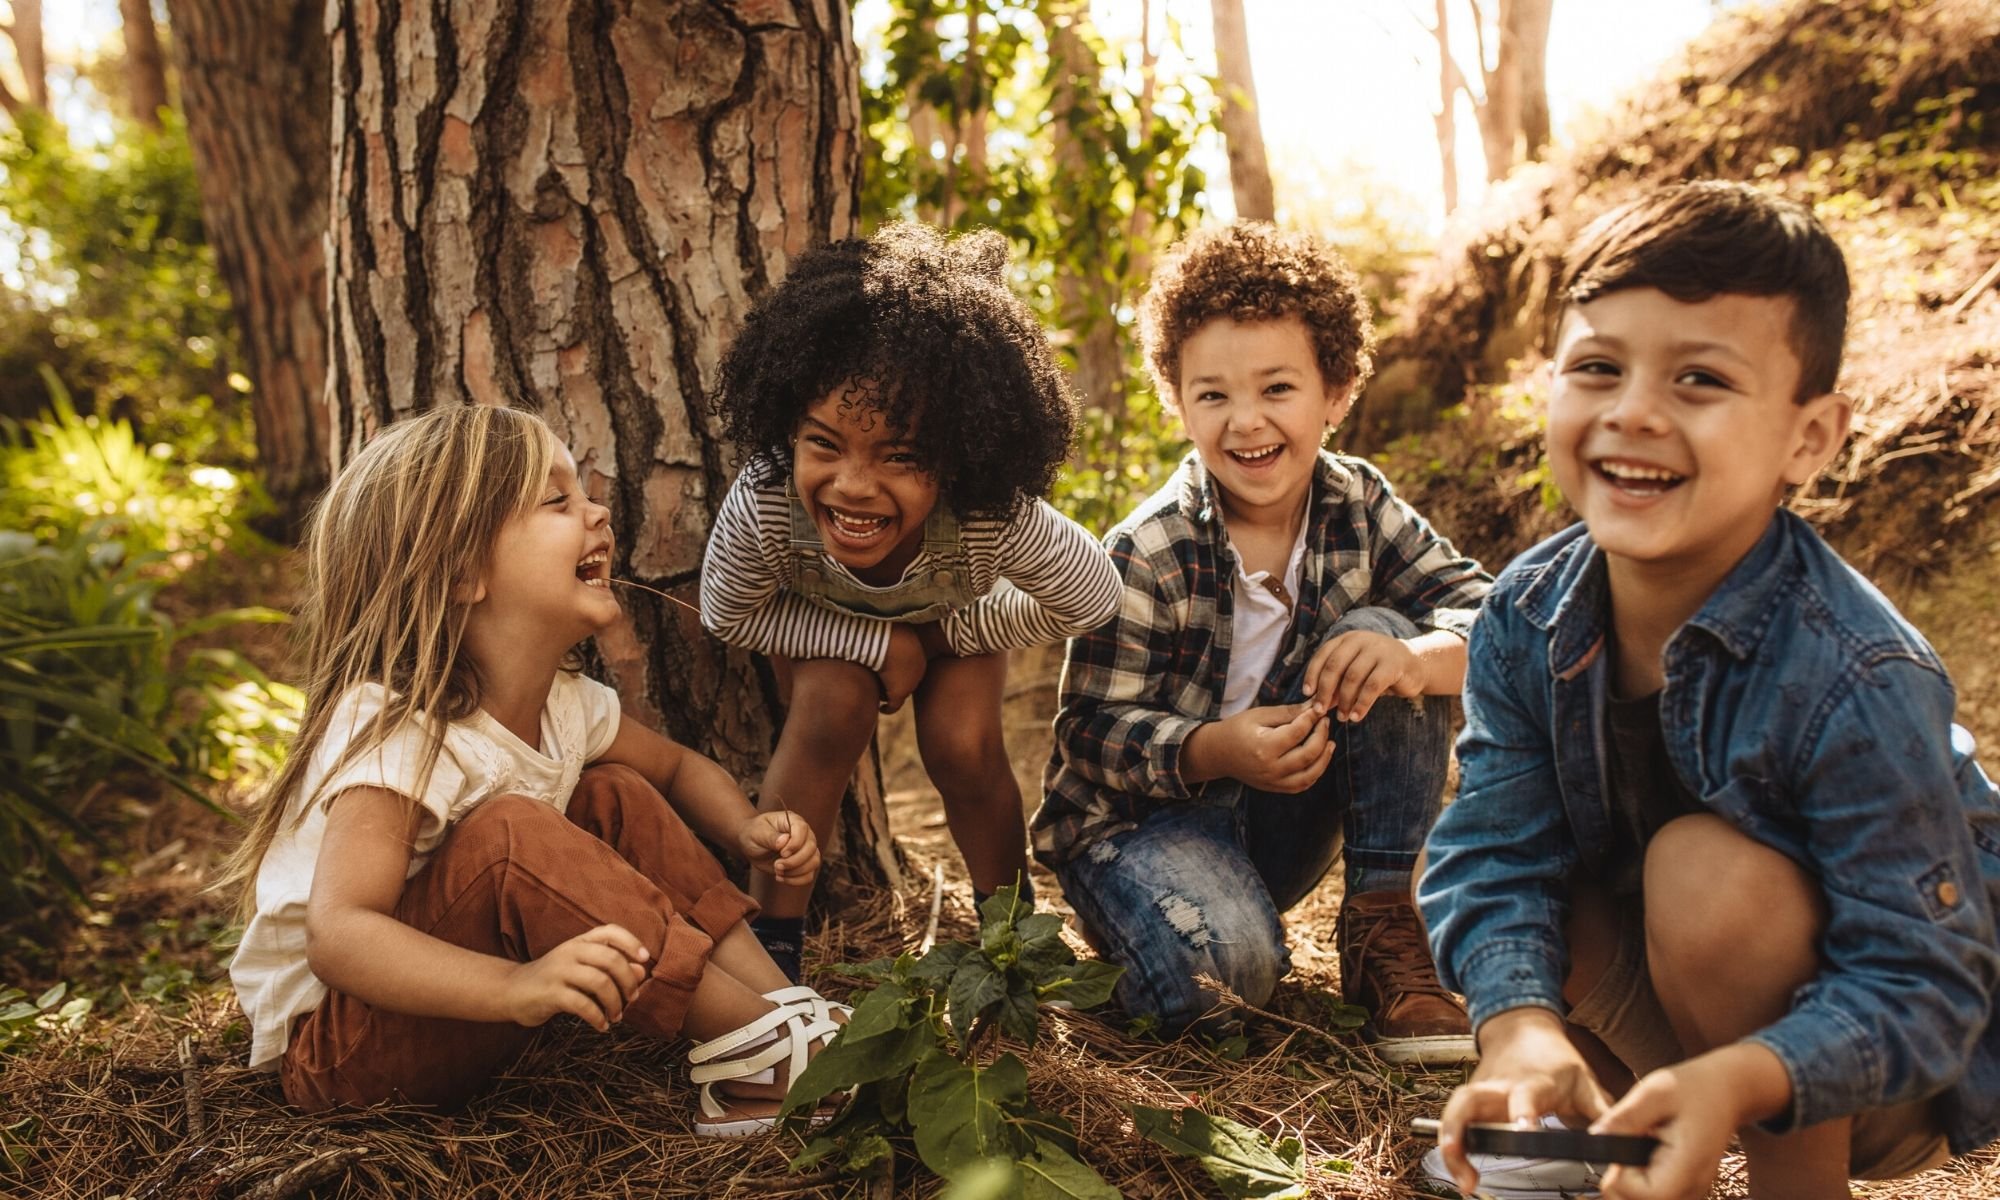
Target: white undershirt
(1257, 627)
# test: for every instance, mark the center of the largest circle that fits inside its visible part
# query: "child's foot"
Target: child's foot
(744, 1073)
(1386, 968)
(1511, 1177)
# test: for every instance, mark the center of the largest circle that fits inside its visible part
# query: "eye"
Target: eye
(1698, 377)
(1280, 388)
(1602, 368)
(819, 442)
(1210, 396)
(559, 499)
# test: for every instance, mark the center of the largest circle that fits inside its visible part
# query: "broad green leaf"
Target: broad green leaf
(1018, 1008)
(846, 1062)
(1051, 1174)
(987, 1179)
(1001, 910)
(975, 986)
(939, 965)
(880, 1010)
(955, 1110)
(1090, 984)
(1244, 1163)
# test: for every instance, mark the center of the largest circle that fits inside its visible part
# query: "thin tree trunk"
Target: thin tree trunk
(568, 205)
(145, 69)
(255, 89)
(1499, 109)
(1530, 19)
(30, 52)
(1446, 120)
(1086, 298)
(1242, 131)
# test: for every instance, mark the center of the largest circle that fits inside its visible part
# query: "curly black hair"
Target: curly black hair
(926, 332)
(1252, 271)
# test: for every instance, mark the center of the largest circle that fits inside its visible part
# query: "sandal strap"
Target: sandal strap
(751, 1052)
(742, 1036)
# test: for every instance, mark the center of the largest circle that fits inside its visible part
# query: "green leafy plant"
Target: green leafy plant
(915, 1056)
(95, 681)
(1244, 1163)
(23, 1021)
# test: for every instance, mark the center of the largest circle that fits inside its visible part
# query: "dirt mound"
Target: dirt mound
(1884, 115)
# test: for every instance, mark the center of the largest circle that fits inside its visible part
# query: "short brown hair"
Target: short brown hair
(1710, 238)
(1249, 271)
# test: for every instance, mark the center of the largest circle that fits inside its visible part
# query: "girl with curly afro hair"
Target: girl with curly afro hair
(901, 416)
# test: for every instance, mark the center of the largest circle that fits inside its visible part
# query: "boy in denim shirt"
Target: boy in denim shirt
(1258, 695)
(1716, 829)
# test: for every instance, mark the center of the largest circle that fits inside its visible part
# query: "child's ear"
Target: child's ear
(1340, 402)
(1819, 434)
(469, 591)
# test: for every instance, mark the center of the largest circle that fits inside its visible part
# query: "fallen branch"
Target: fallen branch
(197, 1119)
(1964, 301)
(300, 1176)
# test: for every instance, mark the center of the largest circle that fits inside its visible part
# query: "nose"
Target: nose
(595, 514)
(855, 479)
(1245, 416)
(1638, 407)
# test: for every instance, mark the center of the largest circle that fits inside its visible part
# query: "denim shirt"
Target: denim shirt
(1800, 706)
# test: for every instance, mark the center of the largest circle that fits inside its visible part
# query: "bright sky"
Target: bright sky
(1349, 86)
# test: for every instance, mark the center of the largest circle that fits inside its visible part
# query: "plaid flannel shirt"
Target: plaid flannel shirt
(1137, 686)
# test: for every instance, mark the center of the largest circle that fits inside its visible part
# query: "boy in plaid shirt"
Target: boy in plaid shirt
(1260, 695)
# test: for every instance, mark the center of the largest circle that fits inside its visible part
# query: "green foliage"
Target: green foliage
(116, 287)
(24, 1021)
(1244, 1163)
(911, 1055)
(1061, 142)
(95, 681)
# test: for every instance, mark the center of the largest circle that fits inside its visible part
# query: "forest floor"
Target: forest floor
(149, 1098)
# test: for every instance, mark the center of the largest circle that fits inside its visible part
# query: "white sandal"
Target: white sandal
(802, 1017)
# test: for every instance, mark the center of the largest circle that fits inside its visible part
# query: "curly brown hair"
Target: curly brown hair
(1252, 271)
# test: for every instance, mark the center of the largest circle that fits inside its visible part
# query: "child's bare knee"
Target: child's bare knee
(1714, 894)
(833, 703)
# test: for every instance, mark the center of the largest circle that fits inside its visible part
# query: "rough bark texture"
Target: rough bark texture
(567, 205)
(145, 69)
(256, 91)
(1249, 170)
(1088, 297)
(1445, 120)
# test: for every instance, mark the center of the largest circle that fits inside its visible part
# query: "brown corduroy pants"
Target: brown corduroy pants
(515, 878)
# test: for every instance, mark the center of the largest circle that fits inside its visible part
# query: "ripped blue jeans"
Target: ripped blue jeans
(1198, 889)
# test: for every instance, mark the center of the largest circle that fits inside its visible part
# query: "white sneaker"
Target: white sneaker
(1512, 1177)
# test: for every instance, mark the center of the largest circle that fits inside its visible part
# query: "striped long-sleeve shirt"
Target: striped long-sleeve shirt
(1133, 690)
(1037, 578)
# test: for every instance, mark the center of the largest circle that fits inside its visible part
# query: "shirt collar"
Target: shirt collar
(1570, 598)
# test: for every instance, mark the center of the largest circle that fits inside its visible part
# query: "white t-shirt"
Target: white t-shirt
(480, 759)
(1257, 625)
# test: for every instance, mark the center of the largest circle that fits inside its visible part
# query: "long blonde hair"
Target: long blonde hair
(390, 548)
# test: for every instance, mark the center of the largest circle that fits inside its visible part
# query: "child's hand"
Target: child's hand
(591, 976)
(1694, 1109)
(1528, 1069)
(1351, 671)
(904, 667)
(781, 845)
(1275, 748)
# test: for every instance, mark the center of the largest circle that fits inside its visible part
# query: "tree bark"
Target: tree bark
(568, 206)
(30, 52)
(145, 69)
(1087, 297)
(1530, 19)
(1242, 131)
(255, 88)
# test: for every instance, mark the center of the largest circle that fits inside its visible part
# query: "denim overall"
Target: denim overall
(944, 584)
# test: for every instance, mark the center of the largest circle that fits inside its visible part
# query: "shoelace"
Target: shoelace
(1395, 953)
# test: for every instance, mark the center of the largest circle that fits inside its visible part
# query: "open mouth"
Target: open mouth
(1261, 457)
(854, 527)
(595, 569)
(1638, 479)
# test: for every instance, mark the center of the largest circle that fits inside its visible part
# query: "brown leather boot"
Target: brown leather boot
(1386, 967)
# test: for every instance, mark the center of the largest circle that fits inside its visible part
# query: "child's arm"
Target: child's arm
(744, 600)
(714, 807)
(1350, 672)
(355, 945)
(1063, 584)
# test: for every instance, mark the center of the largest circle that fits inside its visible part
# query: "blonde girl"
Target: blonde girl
(469, 838)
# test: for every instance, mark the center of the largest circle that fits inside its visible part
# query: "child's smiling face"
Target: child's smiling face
(1674, 427)
(1257, 408)
(859, 481)
(550, 567)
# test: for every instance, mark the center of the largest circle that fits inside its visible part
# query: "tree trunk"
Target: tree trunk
(145, 70)
(255, 88)
(1446, 120)
(1249, 170)
(568, 205)
(1530, 19)
(29, 51)
(1087, 298)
